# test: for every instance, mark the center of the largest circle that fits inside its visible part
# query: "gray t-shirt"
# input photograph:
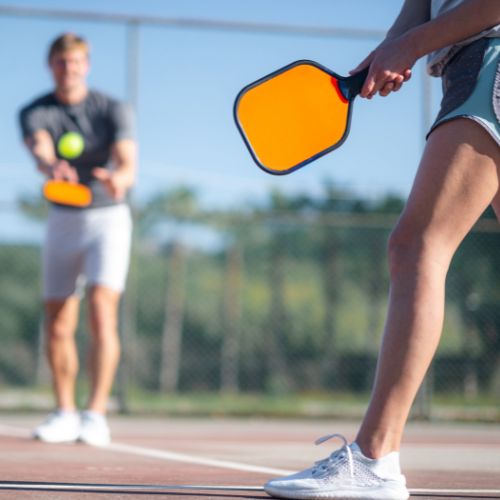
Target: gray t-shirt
(438, 59)
(100, 119)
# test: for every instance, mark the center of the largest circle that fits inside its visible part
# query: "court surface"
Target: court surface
(226, 459)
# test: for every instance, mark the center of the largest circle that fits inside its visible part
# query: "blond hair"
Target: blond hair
(66, 42)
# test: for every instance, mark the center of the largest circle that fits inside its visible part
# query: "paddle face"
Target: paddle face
(295, 115)
(67, 193)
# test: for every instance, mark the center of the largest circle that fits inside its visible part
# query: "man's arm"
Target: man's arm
(118, 181)
(41, 147)
(125, 158)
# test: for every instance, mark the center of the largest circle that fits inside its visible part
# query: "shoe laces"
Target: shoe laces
(337, 457)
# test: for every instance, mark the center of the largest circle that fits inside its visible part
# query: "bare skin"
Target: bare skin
(61, 317)
(104, 346)
(61, 322)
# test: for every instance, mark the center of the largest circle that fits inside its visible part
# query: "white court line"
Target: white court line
(12, 485)
(191, 459)
(165, 455)
(6, 485)
(11, 431)
(8, 430)
(447, 492)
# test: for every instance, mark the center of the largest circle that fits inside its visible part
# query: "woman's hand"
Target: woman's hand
(390, 66)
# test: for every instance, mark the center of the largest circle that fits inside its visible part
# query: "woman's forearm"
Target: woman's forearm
(414, 35)
(464, 21)
(412, 14)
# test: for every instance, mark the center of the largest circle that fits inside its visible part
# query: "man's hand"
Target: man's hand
(62, 170)
(116, 185)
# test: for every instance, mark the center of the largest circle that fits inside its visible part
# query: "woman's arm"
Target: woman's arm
(412, 14)
(464, 21)
(397, 54)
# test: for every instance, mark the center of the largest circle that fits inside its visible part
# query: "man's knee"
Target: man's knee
(61, 318)
(103, 311)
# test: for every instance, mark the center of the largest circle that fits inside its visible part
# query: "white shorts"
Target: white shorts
(85, 247)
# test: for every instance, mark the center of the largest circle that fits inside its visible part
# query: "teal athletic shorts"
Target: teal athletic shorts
(471, 87)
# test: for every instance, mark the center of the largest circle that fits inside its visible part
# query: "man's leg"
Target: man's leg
(105, 345)
(63, 425)
(61, 318)
(457, 179)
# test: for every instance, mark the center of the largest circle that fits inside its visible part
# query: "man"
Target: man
(83, 246)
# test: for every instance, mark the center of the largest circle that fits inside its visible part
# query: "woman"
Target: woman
(457, 179)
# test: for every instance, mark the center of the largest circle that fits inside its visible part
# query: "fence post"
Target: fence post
(171, 343)
(232, 321)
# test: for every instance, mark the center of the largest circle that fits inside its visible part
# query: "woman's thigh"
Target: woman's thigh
(458, 177)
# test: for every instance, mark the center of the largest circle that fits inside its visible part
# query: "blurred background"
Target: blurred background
(247, 294)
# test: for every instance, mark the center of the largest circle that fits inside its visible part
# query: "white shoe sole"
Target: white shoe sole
(94, 442)
(55, 440)
(375, 494)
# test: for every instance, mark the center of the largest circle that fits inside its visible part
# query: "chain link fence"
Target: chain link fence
(270, 303)
(283, 301)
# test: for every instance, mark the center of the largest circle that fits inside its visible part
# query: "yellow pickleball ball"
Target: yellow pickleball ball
(70, 145)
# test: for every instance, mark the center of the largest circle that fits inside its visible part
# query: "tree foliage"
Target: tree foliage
(308, 292)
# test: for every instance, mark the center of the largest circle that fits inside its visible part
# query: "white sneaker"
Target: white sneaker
(59, 427)
(94, 429)
(346, 474)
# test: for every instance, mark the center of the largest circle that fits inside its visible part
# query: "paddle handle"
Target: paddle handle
(352, 86)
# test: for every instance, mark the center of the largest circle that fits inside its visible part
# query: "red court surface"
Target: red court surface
(227, 459)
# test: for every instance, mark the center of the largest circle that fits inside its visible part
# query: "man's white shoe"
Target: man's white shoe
(59, 427)
(346, 474)
(94, 429)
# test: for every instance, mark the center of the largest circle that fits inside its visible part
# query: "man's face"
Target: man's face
(69, 68)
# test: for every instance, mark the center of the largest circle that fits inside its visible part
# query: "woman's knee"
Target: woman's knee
(403, 249)
(412, 249)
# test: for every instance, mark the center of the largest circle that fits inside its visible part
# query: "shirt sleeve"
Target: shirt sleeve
(31, 119)
(123, 120)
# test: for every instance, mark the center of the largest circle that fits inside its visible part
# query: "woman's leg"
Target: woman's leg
(457, 179)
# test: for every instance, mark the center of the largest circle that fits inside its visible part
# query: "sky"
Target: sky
(187, 80)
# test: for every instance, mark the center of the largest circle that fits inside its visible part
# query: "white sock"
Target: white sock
(386, 467)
